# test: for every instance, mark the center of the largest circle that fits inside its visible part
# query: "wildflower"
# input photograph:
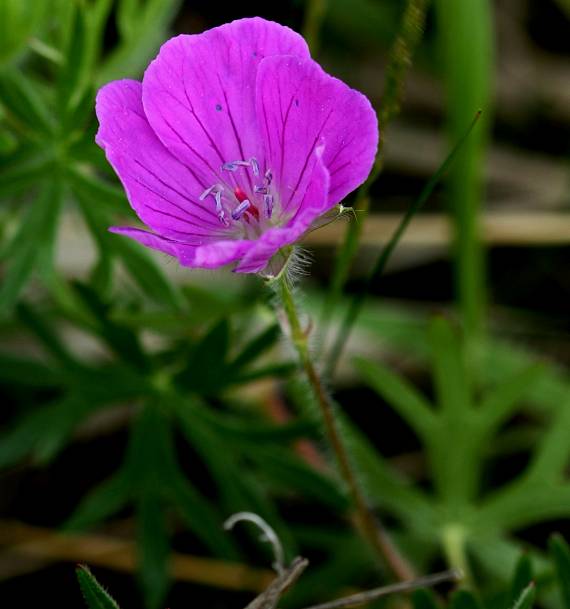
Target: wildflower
(234, 145)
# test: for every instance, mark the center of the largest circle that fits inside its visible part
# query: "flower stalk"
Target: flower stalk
(365, 520)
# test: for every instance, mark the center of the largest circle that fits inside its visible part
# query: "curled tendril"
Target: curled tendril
(268, 535)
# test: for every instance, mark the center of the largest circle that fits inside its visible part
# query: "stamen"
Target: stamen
(254, 166)
(268, 177)
(208, 191)
(238, 212)
(218, 197)
(262, 190)
(234, 165)
(268, 203)
(220, 209)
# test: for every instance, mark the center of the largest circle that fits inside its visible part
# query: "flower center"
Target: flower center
(234, 206)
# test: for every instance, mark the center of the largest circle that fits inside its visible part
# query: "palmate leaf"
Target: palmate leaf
(145, 272)
(36, 229)
(24, 168)
(238, 489)
(120, 338)
(21, 98)
(94, 594)
(150, 472)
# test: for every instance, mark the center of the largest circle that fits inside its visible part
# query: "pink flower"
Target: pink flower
(234, 145)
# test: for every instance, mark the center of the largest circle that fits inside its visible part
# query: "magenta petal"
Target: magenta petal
(300, 108)
(258, 257)
(199, 93)
(160, 188)
(205, 256)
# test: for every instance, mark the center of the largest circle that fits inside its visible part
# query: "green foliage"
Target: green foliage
(191, 365)
(96, 597)
(465, 38)
(458, 514)
(46, 110)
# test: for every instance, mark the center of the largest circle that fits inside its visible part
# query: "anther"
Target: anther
(268, 204)
(262, 190)
(238, 212)
(254, 166)
(268, 177)
(234, 165)
(218, 197)
(208, 191)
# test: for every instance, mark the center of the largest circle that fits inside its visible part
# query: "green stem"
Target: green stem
(359, 298)
(454, 538)
(465, 33)
(366, 522)
(399, 63)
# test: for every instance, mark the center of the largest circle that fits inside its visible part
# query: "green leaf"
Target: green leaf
(153, 469)
(20, 97)
(526, 598)
(276, 371)
(500, 402)
(153, 550)
(144, 28)
(450, 374)
(424, 599)
(521, 578)
(139, 264)
(36, 229)
(560, 552)
(22, 172)
(94, 594)
(95, 192)
(288, 472)
(121, 339)
(257, 346)
(463, 599)
(205, 372)
(27, 372)
(399, 394)
(40, 327)
(105, 500)
(146, 273)
(246, 430)
(74, 76)
(238, 490)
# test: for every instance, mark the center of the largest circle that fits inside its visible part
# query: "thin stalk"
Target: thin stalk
(362, 598)
(365, 520)
(358, 300)
(400, 60)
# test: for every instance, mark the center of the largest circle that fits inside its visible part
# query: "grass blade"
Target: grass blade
(356, 304)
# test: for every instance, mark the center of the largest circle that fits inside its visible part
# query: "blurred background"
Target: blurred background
(144, 403)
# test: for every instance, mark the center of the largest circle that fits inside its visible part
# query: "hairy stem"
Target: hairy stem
(365, 520)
